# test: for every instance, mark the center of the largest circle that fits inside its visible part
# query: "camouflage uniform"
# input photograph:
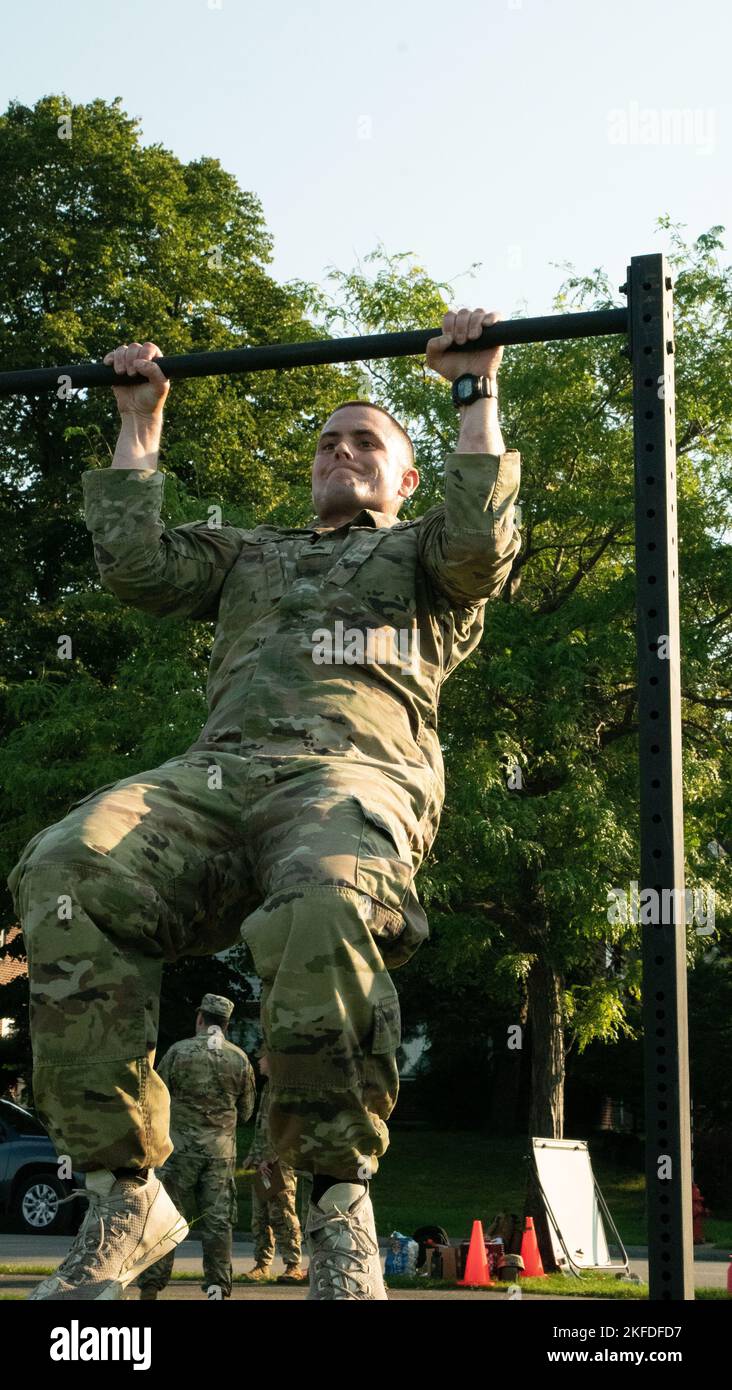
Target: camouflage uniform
(276, 1218)
(304, 810)
(212, 1089)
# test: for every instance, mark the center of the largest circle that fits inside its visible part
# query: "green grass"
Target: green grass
(565, 1286)
(448, 1179)
(552, 1285)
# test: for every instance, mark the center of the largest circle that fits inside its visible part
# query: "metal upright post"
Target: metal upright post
(667, 1109)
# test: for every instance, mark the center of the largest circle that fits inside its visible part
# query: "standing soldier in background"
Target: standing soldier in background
(212, 1089)
(276, 1217)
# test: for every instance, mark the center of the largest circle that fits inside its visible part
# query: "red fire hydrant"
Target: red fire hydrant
(698, 1211)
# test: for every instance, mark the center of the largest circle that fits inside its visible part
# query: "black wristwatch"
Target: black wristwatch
(469, 388)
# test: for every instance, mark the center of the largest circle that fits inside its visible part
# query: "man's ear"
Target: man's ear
(409, 483)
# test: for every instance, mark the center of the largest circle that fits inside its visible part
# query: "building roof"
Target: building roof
(10, 968)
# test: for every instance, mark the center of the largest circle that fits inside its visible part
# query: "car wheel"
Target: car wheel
(38, 1205)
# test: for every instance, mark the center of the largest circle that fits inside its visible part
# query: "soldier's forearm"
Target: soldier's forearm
(138, 444)
(480, 432)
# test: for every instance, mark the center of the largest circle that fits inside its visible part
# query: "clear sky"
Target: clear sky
(514, 133)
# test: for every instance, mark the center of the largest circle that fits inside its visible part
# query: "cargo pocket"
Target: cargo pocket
(387, 1035)
(385, 872)
(380, 1072)
(384, 868)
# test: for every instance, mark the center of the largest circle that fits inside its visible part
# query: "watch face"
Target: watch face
(465, 389)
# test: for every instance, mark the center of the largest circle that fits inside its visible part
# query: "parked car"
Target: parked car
(31, 1190)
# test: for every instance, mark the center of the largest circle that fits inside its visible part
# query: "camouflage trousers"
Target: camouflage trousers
(277, 1220)
(204, 1182)
(311, 861)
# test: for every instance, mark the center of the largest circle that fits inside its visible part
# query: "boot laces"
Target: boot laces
(105, 1220)
(329, 1273)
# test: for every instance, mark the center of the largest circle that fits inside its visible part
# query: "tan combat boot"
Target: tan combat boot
(294, 1274)
(130, 1224)
(259, 1272)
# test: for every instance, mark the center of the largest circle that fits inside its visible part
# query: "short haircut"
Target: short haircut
(211, 1021)
(373, 406)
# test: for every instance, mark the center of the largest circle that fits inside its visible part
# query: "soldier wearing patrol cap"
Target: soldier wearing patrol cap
(212, 1089)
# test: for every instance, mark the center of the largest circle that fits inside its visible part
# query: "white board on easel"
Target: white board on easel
(572, 1202)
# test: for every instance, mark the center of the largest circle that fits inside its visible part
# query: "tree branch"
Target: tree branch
(712, 701)
(551, 605)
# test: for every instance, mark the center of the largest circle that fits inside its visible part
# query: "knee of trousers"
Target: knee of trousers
(75, 911)
(216, 1228)
(330, 1012)
(94, 998)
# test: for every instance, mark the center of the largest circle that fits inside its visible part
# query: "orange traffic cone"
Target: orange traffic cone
(533, 1268)
(476, 1265)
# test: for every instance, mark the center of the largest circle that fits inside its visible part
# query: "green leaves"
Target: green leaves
(106, 240)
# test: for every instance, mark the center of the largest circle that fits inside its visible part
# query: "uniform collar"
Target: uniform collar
(375, 520)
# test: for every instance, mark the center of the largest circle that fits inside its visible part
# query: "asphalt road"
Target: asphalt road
(710, 1269)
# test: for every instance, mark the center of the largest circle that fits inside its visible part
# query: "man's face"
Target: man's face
(361, 461)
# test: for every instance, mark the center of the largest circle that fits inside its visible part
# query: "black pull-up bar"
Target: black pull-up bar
(648, 323)
(595, 324)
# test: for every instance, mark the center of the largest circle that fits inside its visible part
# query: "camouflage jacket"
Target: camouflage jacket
(212, 1089)
(330, 643)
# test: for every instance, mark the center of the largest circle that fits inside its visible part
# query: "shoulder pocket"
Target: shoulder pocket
(378, 577)
(355, 554)
(257, 580)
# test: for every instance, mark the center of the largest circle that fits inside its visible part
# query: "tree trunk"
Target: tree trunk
(503, 1114)
(546, 1109)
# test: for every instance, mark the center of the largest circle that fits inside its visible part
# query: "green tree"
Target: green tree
(540, 727)
(105, 240)
(108, 240)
